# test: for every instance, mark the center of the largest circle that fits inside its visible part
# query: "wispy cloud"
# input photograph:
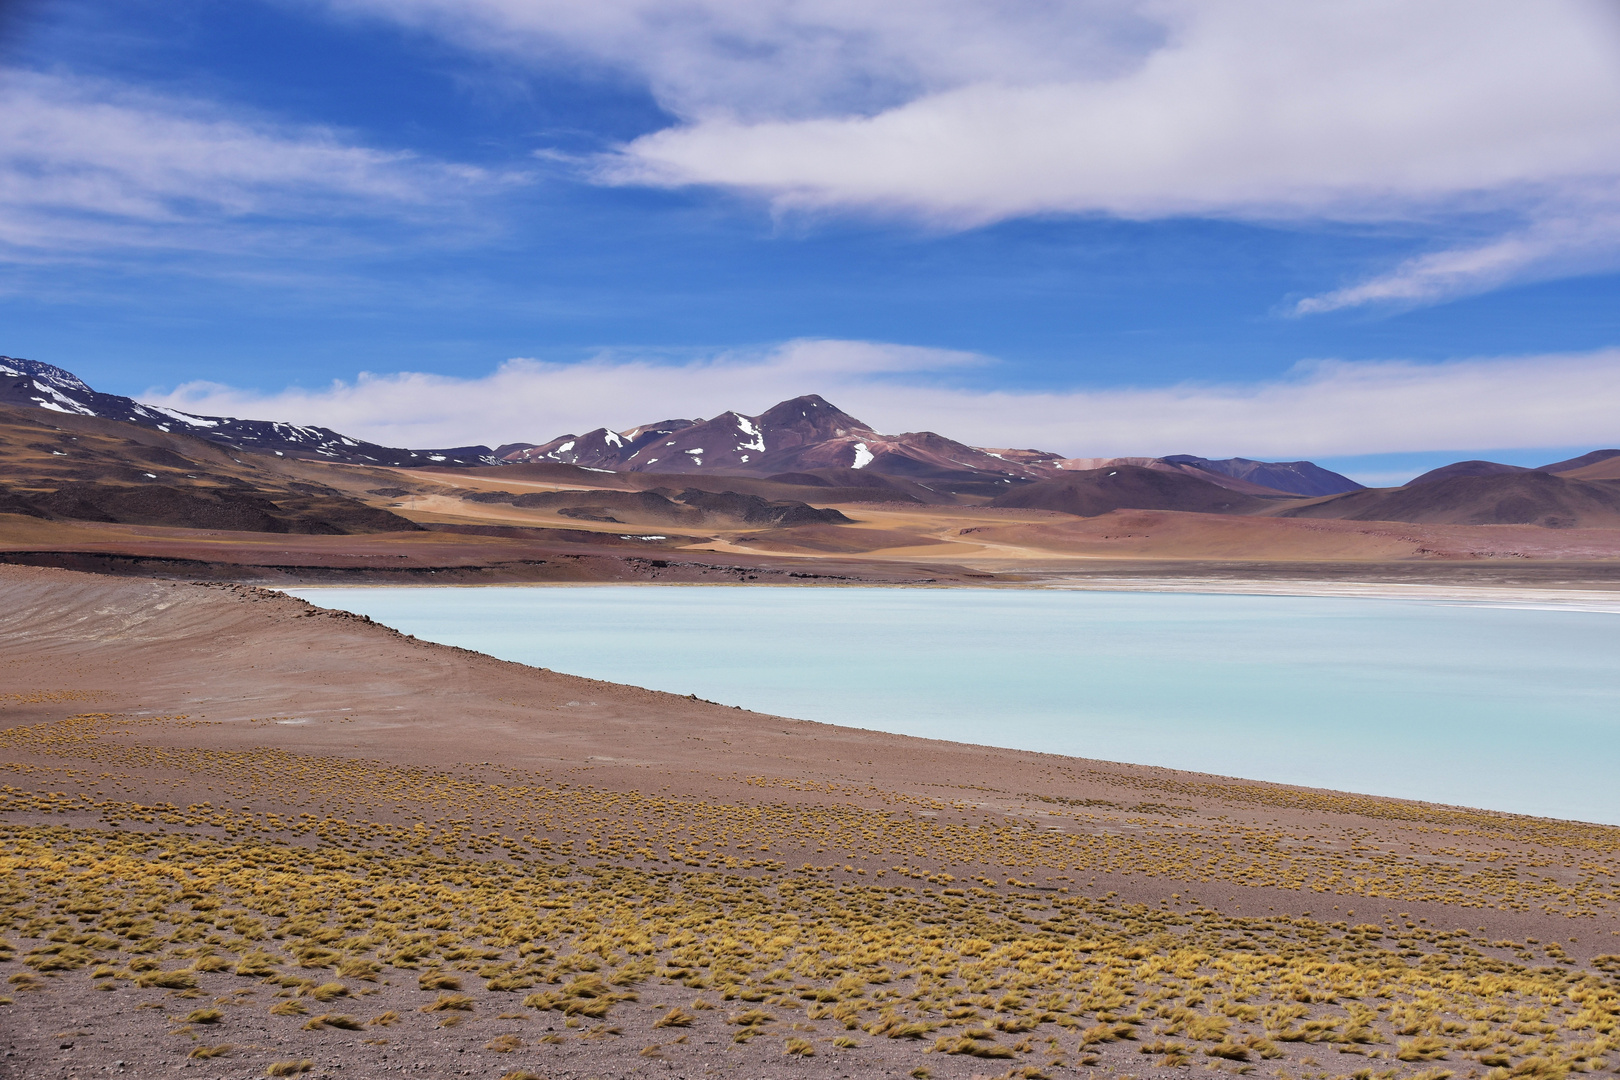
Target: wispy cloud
(1568, 237)
(1320, 408)
(964, 112)
(771, 59)
(88, 164)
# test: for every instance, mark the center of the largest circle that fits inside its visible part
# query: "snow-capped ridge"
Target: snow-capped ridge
(802, 433)
(45, 386)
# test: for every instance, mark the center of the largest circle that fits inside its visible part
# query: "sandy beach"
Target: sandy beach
(244, 832)
(1573, 598)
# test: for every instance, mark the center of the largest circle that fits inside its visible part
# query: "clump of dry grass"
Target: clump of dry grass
(167, 980)
(586, 995)
(898, 961)
(1106, 1033)
(1228, 1049)
(1164, 1046)
(289, 1068)
(449, 1001)
(970, 1044)
(205, 1052)
(328, 992)
(357, 968)
(891, 1025)
(256, 964)
(676, 1017)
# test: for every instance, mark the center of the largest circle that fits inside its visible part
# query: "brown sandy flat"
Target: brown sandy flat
(883, 544)
(235, 820)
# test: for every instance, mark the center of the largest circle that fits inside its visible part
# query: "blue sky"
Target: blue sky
(1384, 243)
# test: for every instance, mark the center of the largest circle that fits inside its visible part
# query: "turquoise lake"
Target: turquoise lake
(1511, 707)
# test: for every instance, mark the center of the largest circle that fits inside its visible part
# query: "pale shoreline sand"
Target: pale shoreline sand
(1605, 600)
(1572, 599)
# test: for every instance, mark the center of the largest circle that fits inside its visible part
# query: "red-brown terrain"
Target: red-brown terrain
(96, 494)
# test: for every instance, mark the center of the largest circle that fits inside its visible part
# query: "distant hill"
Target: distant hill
(1584, 462)
(1604, 469)
(1519, 497)
(1294, 477)
(1129, 487)
(1496, 468)
(1466, 468)
(43, 386)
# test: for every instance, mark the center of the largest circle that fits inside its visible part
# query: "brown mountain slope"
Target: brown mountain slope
(1465, 468)
(1519, 498)
(1602, 469)
(77, 468)
(847, 484)
(1576, 464)
(1129, 487)
(819, 486)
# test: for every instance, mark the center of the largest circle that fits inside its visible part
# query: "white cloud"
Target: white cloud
(1258, 109)
(532, 401)
(963, 112)
(1326, 408)
(776, 58)
(1566, 239)
(86, 164)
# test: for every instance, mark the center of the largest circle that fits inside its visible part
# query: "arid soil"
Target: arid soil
(247, 835)
(468, 543)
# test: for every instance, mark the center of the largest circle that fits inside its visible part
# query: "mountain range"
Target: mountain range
(808, 435)
(808, 444)
(805, 435)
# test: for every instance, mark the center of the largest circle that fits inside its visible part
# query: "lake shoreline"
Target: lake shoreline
(1583, 597)
(389, 831)
(1481, 690)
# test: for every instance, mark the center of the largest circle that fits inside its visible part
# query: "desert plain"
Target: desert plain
(247, 836)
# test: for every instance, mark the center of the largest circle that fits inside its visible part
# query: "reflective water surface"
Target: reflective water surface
(1509, 707)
